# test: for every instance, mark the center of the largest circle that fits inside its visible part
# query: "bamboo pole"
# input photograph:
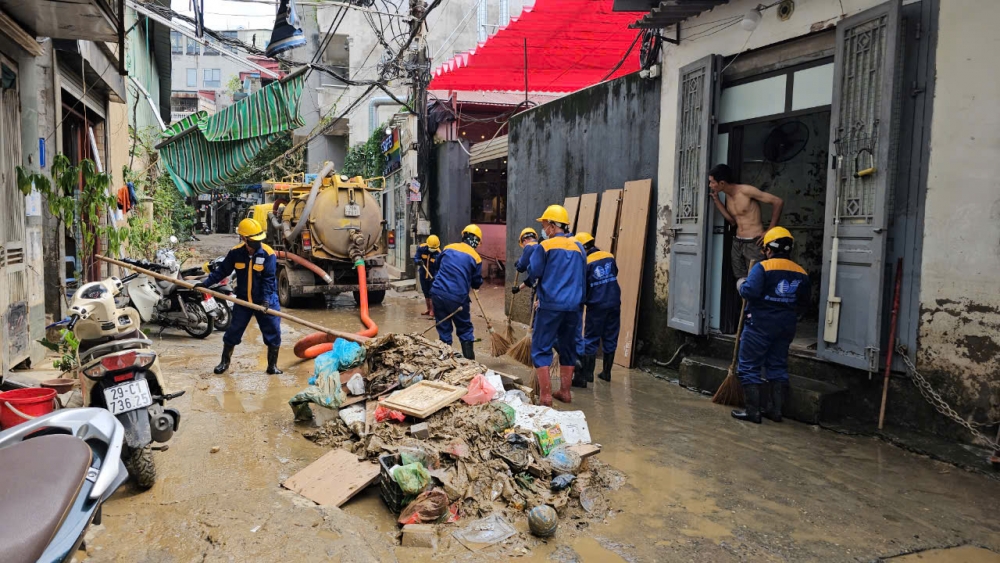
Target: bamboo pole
(247, 304)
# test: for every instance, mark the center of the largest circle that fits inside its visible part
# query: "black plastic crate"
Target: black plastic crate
(389, 490)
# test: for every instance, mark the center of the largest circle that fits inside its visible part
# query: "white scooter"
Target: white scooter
(121, 373)
(167, 304)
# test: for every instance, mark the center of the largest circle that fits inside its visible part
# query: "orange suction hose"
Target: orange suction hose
(317, 343)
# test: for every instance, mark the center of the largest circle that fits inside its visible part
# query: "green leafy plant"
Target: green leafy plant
(366, 159)
(66, 346)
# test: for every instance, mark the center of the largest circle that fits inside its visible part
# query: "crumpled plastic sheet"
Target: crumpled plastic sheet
(484, 532)
(324, 387)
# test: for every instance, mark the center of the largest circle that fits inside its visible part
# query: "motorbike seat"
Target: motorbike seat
(41, 479)
(91, 343)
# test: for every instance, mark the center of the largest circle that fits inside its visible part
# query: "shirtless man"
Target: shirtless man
(742, 208)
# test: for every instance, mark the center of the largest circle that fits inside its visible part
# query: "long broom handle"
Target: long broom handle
(428, 329)
(739, 327)
(489, 326)
(511, 306)
(247, 304)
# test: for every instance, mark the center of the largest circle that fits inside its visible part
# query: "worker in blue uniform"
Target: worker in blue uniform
(426, 261)
(256, 281)
(603, 312)
(559, 267)
(773, 290)
(528, 241)
(459, 270)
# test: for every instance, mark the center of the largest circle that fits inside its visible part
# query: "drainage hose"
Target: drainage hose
(317, 343)
(305, 264)
(304, 217)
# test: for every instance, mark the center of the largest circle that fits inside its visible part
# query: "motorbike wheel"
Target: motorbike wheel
(140, 465)
(374, 297)
(203, 328)
(225, 317)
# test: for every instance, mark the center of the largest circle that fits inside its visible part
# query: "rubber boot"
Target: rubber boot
(752, 412)
(468, 350)
(272, 361)
(778, 391)
(227, 355)
(579, 372)
(565, 393)
(544, 381)
(609, 362)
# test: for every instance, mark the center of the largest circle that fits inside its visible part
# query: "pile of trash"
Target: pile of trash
(484, 460)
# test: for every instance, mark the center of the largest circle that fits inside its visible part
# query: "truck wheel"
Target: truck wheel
(140, 465)
(285, 298)
(374, 297)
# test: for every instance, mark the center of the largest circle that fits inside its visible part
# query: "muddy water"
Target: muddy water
(701, 486)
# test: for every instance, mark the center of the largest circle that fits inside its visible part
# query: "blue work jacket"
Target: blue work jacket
(774, 289)
(603, 291)
(459, 269)
(525, 260)
(256, 274)
(429, 259)
(560, 267)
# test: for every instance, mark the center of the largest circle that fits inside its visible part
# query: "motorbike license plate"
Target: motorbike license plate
(128, 397)
(352, 210)
(210, 304)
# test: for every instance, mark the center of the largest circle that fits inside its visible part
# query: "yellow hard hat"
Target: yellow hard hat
(251, 229)
(584, 238)
(526, 231)
(473, 229)
(775, 234)
(433, 242)
(556, 214)
(206, 268)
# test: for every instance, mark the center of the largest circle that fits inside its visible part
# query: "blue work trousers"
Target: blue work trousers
(444, 306)
(602, 327)
(764, 348)
(555, 329)
(425, 282)
(270, 326)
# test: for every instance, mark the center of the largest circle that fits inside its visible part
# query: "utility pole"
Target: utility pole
(420, 76)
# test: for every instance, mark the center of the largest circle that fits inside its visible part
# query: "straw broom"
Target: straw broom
(498, 344)
(731, 392)
(508, 331)
(521, 352)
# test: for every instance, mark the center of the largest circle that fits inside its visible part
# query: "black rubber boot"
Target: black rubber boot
(609, 361)
(752, 412)
(468, 350)
(778, 391)
(272, 361)
(579, 372)
(227, 355)
(589, 364)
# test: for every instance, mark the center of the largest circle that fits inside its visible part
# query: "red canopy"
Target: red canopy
(572, 44)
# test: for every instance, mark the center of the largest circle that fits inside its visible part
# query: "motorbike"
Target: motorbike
(121, 373)
(58, 470)
(167, 304)
(223, 314)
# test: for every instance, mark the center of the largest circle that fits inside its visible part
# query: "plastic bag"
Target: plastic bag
(324, 390)
(480, 391)
(562, 481)
(429, 507)
(383, 414)
(348, 354)
(356, 384)
(507, 416)
(412, 478)
(424, 456)
(353, 415)
(564, 460)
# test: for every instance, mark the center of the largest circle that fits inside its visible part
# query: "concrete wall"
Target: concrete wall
(959, 345)
(590, 141)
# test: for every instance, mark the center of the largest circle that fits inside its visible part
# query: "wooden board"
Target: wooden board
(607, 221)
(333, 479)
(630, 255)
(587, 215)
(572, 204)
(585, 450)
(424, 398)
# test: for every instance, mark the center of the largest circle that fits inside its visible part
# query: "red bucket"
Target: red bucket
(20, 405)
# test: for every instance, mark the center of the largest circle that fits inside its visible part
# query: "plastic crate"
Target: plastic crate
(389, 490)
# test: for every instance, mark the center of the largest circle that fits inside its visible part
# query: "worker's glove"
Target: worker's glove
(515, 289)
(740, 282)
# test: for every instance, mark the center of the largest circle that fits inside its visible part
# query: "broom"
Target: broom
(731, 392)
(521, 352)
(498, 344)
(508, 331)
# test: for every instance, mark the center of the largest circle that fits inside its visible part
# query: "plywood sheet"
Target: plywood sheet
(333, 479)
(572, 204)
(588, 213)
(631, 250)
(424, 398)
(585, 450)
(607, 221)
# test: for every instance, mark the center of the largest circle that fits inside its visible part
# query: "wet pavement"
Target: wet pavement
(701, 486)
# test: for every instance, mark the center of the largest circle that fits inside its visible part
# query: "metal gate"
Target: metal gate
(13, 273)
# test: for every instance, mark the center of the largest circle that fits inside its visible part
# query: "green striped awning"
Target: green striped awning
(218, 147)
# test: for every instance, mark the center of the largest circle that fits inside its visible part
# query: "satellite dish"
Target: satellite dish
(786, 141)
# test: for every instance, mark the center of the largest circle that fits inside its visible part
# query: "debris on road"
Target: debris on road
(333, 479)
(214, 450)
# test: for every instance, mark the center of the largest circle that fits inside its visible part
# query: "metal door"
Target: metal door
(697, 97)
(14, 275)
(862, 136)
